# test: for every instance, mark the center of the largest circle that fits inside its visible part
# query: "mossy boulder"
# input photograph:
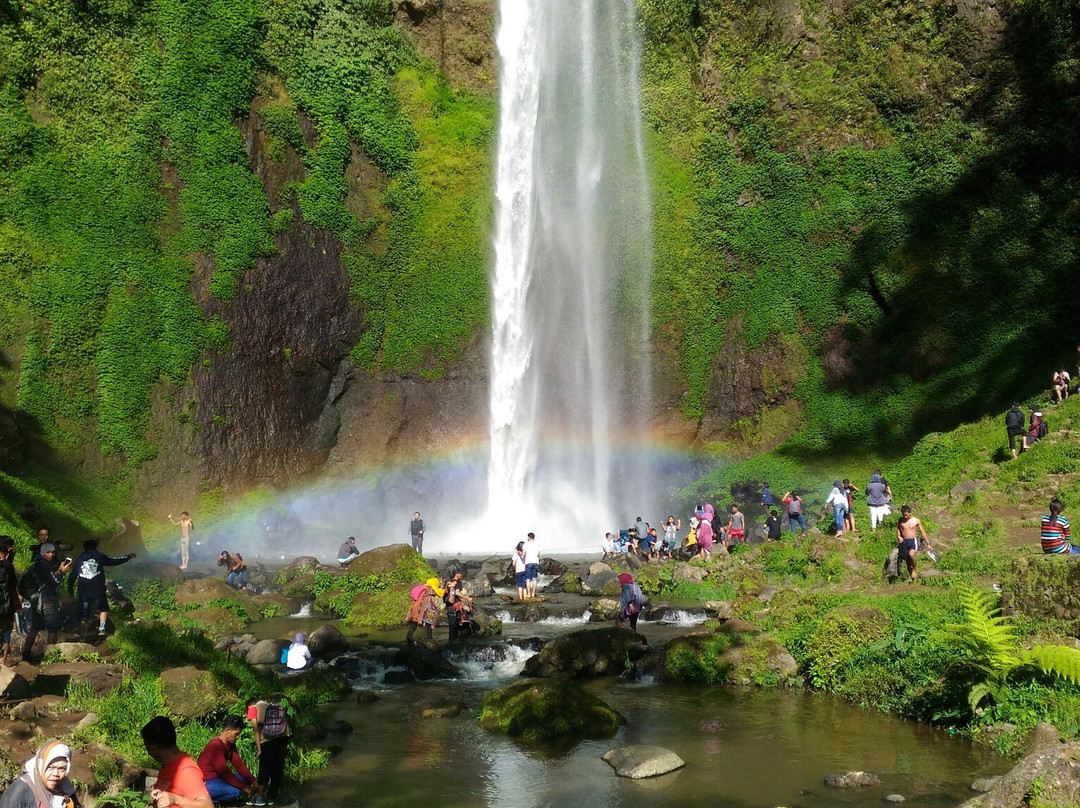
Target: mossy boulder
(168, 574)
(589, 652)
(760, 661)
(201, 591)
(329, 602)
(304, 565)
(300, 587)
(571, 583)
(545, 709)
(699, 657)
(383, 609)
(485, 625)
(395, 563)
(314, 685)
(217, 621)
(191, 693)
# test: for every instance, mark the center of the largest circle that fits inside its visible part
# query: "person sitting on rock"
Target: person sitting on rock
(1056, 535)
(224, 772)
(608, 546)
(298, 656)
(44, 781)
(347, 551)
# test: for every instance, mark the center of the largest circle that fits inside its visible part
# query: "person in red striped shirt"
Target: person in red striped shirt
(1056, 535)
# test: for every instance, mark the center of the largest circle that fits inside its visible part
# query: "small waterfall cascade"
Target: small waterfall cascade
(570, 286)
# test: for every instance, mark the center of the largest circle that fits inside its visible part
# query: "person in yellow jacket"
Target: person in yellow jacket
(425, 608)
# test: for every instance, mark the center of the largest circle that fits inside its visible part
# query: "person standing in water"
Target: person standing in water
(518, 561)
(532, 564)
(416, 532)
(186, 526)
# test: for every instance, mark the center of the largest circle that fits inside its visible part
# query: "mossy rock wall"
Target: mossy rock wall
(1044, 586)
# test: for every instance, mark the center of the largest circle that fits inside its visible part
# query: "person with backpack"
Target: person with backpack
(631, 600)
(794, 504)
(40, 584)
(270, 721)
(1055, 533)
(1037, 430)
(235, 568)
(88, 572)
(10, 602)
(1014, 426)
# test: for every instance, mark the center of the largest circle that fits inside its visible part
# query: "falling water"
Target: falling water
(570, 308)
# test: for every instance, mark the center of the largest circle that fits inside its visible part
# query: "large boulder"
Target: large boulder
(265, 652)
(73, 651)
(201, 591)
(168, 574)
(852, 780)
(1054, 768)
(601, 583)
(603, 610)
(497, 570)
(485, 625)
(642, 760)
(590, 652)
(191, 693)
(386, 560)
(303, 565)
(544, 709)
(422, 663)
(101, 678)
(760, 661)
(689, 573)
(13, 685)
(479, 587)
(327, 641)
(300, 587)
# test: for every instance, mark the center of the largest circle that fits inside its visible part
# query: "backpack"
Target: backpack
(794, 508)
(274, 721)
(284, 655)
(29, 585)
(1043, 429)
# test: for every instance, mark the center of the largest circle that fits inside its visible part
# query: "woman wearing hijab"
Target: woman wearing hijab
(299, 655)
(425, 609)
(630, 601)
(44, 782)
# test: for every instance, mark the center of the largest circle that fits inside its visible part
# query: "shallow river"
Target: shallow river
(742, 747)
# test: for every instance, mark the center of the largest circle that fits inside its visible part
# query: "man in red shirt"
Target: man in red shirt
(223, 783)
(180, 782)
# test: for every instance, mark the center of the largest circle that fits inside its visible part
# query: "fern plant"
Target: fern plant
(993, 649)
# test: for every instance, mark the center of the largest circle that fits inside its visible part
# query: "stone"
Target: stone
(479, 587)
(688, 572)
(102, 678)
(734, 625)
(13, 685)
(642, 760)
(423, 663)
(86, 721)
(719, 609)
(963, 489)
(601, 583)
(327, 641)
(552, 566)
(312, 732)
(265, 652)
(589, 652)
(201, 591)
(1043, 738)
(530, 613)
(545, 709)
(366, 697)
(485, 624)
(1054, 770)
(852, 780)
(338, 725)
(984, 784)
(71, 651)
(497, 570)
(191, 693)
(24, 711)
(383, 560)
(449, 711)
(597, 567)
(895, 798)
(603, 610)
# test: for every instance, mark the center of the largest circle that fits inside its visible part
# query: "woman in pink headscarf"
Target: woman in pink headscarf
(705, 538)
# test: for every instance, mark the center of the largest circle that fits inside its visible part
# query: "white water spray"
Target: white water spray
(570, 307)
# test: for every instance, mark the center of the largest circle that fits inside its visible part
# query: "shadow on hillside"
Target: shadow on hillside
(989, 260)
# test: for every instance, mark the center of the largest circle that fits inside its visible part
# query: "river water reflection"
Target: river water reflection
(742, 747)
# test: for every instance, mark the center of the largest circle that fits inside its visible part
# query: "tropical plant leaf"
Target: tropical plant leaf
(1060, 660)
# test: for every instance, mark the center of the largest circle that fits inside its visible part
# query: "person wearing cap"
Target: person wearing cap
(46, 613)
(44, 782)
(347, 551)
(45, 535)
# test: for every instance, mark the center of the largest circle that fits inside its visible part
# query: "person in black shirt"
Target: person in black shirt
(772, 526)
(416, 531)
(10, 601)
(46, 603)
(88, 572)
(1014, 426)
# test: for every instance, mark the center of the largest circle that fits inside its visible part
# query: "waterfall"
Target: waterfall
(570, 287)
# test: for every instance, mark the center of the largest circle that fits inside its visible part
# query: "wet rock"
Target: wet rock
(339, 726)
(265, 652)
(312, 732)
(497, 570)
(479, 587)
(984, 784)
(637, 762)
(326, 641)
(653, 613)
(366, 697)
(544, 709)
(601, 583)
(451, 568)
(760, 661)
(570, 583)
(191, 693)
(485, 625)
(590, 652)
(603, 610)
(530, 613)
(852, 780)
(895, 798)
(448, 711)
(12, 685)
(552, 566)
(422, 664)
(734, 625)
(597, 567)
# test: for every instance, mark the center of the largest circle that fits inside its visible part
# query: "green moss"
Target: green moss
(546, 709)
(699, 659)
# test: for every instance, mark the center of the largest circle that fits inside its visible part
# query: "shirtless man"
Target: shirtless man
(907, 530)
(185, 524)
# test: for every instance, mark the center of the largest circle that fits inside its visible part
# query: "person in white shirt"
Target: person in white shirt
(299, 656)
(532, 565)
(838, 500)
(608, 545)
